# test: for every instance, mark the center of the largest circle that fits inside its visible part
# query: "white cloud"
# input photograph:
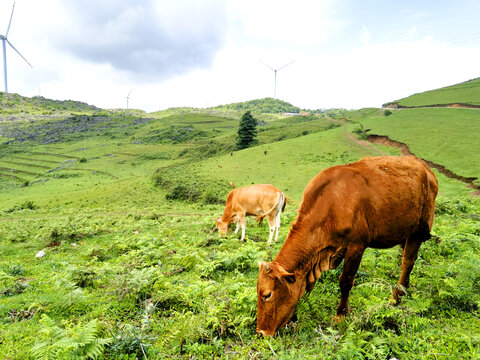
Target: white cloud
(213, 50)
(365, 37)
(303, 23)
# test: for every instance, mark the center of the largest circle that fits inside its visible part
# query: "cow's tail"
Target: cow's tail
(279, 207)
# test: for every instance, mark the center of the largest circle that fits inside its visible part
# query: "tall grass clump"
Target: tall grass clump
(187, 185)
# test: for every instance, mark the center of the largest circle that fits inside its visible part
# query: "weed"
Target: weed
(83, 343)
(15, 270)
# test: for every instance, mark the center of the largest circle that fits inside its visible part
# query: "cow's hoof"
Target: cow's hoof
(338, 319)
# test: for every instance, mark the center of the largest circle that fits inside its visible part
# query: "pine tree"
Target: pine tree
(247, 131)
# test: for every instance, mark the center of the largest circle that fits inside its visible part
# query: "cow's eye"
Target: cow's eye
(267, 296)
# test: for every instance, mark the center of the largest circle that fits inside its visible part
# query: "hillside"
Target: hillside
(463, 94)
(101, 148)
(14, 104)
(445, 136)
(122, 203)
(267, 105)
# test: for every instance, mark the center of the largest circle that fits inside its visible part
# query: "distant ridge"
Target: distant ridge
(462, 95)
(266, 106)
(11, 103)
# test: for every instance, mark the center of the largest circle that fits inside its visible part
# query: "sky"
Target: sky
(174, 53)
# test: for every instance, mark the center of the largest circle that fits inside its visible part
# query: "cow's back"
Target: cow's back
(379, 201)
(255, 199)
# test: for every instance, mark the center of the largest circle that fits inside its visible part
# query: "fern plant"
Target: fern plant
(56, 343)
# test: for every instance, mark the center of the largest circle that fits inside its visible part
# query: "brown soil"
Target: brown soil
(385, 140)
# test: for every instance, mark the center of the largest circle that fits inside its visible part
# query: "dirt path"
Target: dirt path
(385, 140)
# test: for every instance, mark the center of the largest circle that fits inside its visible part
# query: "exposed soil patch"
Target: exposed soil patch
(385, 140)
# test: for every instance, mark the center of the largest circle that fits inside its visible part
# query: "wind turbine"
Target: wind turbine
(275, 71)
(128, 96)
(4, 43)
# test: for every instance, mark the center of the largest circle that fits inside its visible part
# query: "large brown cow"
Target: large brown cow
(261, 200)
(375, 202)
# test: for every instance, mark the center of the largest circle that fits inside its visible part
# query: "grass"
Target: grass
(167, 279)
(464, 93)
(444, 136)
(150, 275)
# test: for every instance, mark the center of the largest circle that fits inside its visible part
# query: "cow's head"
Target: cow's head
(222, 226)
(278, 293)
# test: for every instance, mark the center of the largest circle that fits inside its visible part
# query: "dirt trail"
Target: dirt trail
(385, 140)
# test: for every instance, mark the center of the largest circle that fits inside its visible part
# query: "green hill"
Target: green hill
(466, 93)
(14, 104)
(267, 105)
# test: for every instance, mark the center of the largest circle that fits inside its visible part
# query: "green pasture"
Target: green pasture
(288, 164)
(445, 136)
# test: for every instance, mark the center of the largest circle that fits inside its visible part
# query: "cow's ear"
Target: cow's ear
(284, 274)
(264, 266)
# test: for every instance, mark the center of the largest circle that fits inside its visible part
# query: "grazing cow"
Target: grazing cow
(259, 200)
(375, 202)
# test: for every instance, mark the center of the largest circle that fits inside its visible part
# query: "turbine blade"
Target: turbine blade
(10, 22)
(129, 93)
(18, 52)
(267, 65)
(286, 65)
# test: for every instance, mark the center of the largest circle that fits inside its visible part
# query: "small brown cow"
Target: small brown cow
(375, 202)
(261, 200)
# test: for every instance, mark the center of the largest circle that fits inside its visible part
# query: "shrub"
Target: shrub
(387, 113)
(212, 196)
(183, 192)
(128, 340)
(27, 205)
(189, 188)
(15, 270)
(361, 132)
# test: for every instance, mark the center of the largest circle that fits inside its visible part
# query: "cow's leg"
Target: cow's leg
(277, 225)
(237, 226)
(410, 252)
(271, 225)
(353, 257)
(242, 221)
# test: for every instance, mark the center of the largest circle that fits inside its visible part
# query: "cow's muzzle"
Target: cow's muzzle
(265, 333)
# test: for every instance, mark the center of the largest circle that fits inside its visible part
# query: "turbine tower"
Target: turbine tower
(275, 72)
(128, 96)
(4, 39)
